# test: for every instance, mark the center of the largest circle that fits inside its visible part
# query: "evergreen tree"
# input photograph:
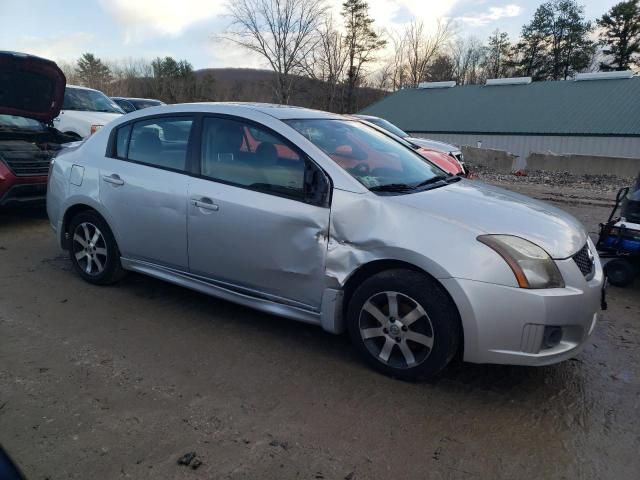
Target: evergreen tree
(92, 72)
(361, 42)
(620, 35)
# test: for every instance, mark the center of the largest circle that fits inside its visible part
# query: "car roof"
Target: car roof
(285, 112)
(78, 87)
(138, 98)
(365, 117)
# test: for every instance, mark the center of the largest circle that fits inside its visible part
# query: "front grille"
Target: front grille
(584, 261)
(25, 159)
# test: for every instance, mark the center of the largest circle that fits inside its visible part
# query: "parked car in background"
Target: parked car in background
(85, 111)
(31, 92)
(326, 220)
(132, 104)
(425, 143)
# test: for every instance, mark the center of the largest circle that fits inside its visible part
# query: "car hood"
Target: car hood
(432, 144)
(488, 209)
(30, 86)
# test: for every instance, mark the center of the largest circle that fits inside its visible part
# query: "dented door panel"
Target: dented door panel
(266, 244)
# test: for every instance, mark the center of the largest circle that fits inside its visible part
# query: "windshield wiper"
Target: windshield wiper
(438, 179)
(393, 187)
(432, 180)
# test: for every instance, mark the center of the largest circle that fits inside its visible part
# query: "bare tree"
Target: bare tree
(327, 61)
(468, 57)
(397, 62)
(283, 32)
(422, 48)
(70, 71)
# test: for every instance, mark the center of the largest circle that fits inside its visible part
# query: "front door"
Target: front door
(252, 223)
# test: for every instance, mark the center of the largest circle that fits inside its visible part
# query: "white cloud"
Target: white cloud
(491, 15)
(64, 46)
(143, 19)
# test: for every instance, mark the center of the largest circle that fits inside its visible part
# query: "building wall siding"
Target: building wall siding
(522, 145)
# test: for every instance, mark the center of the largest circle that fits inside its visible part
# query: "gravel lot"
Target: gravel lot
(120, 382)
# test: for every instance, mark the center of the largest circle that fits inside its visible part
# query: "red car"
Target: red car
(446, 161)
(31, 95)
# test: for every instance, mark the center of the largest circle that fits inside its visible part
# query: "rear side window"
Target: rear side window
(159, 142)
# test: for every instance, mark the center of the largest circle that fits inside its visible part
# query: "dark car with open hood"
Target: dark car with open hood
(31, 96)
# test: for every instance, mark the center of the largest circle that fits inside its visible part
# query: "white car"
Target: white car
(84, 111)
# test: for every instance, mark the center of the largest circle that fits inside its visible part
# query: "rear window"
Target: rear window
(140, 103)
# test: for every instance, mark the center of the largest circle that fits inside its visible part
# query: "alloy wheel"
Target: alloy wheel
(90, 248)
(396, 330)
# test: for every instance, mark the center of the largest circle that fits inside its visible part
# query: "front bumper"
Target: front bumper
(23, 190)
(506, 325)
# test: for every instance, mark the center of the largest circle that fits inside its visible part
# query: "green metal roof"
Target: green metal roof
(589, 107)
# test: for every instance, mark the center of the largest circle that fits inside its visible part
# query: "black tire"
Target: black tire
(103, 254)
(620, 272)
(439, 320)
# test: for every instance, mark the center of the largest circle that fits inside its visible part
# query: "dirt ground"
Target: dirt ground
(119, 382)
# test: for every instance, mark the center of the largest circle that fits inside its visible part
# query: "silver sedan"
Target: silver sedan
(321, 219)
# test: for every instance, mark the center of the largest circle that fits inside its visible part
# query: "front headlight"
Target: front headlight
(532, 266)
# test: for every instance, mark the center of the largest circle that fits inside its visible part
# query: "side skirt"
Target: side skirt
(226, 292)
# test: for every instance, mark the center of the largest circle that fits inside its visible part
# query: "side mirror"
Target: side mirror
(317, 187)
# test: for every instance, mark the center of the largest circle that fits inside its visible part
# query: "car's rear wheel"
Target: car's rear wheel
(93, 249)
(404, 324)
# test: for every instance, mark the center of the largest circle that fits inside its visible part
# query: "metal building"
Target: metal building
(593, 114)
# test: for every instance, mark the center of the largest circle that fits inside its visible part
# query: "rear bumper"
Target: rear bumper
(17, 191)
(506, 325)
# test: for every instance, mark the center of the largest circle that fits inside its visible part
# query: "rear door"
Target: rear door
(144, 186)
(257, 222)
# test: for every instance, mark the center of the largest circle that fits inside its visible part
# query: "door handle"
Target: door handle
(205, 203)
(113, 179)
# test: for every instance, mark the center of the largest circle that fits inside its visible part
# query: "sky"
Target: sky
(189, 29)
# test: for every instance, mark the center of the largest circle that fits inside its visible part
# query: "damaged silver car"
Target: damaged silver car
(325, 220)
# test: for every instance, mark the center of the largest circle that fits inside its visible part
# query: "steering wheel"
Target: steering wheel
(361, 169)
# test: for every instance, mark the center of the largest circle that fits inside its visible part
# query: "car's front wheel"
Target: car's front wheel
(404, 324)
(93, 249)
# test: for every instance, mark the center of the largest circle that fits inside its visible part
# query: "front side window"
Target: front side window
(377, 161)
(160, 142)
(89, 101)
(249, 156)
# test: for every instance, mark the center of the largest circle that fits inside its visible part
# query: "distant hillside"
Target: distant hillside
(247, 84)
(239, 84)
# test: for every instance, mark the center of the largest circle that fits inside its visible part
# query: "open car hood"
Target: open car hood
(30, 86)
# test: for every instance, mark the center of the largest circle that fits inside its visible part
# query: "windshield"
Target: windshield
(13, 121)
(388, 126)
(377, 161)
(89, 101)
